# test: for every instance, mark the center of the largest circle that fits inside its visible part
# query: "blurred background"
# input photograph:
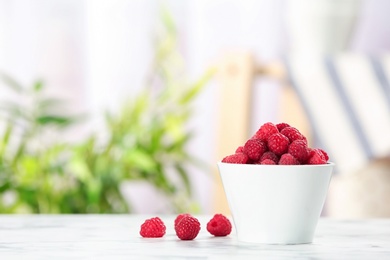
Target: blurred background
(114, 106)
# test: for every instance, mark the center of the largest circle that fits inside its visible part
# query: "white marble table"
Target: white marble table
(117, 237)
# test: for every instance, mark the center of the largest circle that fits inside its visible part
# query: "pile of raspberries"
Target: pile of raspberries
(186, 226)
(279, 144)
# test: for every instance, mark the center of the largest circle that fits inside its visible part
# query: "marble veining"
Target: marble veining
(117, 237)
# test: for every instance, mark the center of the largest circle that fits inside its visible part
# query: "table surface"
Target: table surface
(117, 237)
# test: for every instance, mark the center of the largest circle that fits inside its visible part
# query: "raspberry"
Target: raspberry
(268, 162)
(254, 148)
(316, 157)
(153, 227)
(324, 154)
(304, 139)
(187, 228)
(219, 226)
(278, 143)
(269, 155)
(179, 217)
(281, 126)
(288, 159)
(240, 149)
(265, 131)
(239, 158)
(292, 134)
(299, 150)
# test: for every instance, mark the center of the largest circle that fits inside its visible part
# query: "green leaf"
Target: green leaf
(139, 106)
(140, 159)
(29, 171)
(14, 111)
(54, 120)
(179, 144)
(38, 86)
(184, 177)
(11, 83)
(6, 138)
(197, 87)
(168, 21)
(94, 188)
(79, 169)
(19, 154)
(50, 103)
(4, 186)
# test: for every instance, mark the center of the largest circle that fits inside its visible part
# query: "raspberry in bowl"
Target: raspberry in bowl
(276, 189)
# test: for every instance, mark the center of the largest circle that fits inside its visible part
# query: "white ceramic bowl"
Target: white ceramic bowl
(275, 204)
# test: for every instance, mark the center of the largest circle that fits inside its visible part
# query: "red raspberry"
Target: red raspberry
(281, 126)
(292, 134)
(304, 139)
(239, 158)
(316, 157)
(219, 226)
(187, 228)
(265, 131)
(268, 162)
(269, 155)
(179, 217)
(153, 227)
(255, 148)
(240, 149)
(288, 159)
(324, 154)
(278, 143)
(299, 150)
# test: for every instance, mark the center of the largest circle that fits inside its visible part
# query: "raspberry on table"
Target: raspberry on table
(316, 157)
(278, 143)
(288, 159)
(299, 150)
(269, 155)
(265, 131)
(153, 227)
(268, 162)
(179, 217)
(239, 158)
(281, 126)
(187, 228)
(292, 134)
(254, 149)
(219, 226)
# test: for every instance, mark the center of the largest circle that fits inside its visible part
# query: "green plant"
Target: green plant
(146, 140)
(31, 166)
